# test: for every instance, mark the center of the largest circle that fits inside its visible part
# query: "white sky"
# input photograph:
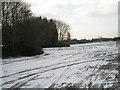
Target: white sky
(87, 18)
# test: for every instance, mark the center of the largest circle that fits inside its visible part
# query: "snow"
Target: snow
(76, 66)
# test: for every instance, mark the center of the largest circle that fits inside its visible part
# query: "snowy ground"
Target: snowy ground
(79, 66)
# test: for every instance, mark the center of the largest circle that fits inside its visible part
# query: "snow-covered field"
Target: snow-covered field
(80, 66)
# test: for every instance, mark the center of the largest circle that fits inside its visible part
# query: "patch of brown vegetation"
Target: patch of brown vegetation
(108, 66)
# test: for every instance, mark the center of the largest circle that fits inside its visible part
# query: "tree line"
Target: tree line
(24, 34)
(82, 41)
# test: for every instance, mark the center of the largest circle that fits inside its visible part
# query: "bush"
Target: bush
(26, 49)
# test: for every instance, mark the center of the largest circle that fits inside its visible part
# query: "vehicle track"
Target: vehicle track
(37, 74)
(42, 67)
(35, 57)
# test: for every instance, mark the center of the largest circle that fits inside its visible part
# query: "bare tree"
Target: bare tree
(63, 30)
(13, 12)
(68, 36)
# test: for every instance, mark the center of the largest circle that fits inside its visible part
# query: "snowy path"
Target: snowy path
(74, 66)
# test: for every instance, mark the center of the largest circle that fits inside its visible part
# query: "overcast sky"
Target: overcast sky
(87, 18)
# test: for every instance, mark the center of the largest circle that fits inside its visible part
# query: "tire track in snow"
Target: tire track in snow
(11, 81)
(20, 84)
(64, 72)
(31, 58)
(68, 65)
(37, 74)
(42, 67)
